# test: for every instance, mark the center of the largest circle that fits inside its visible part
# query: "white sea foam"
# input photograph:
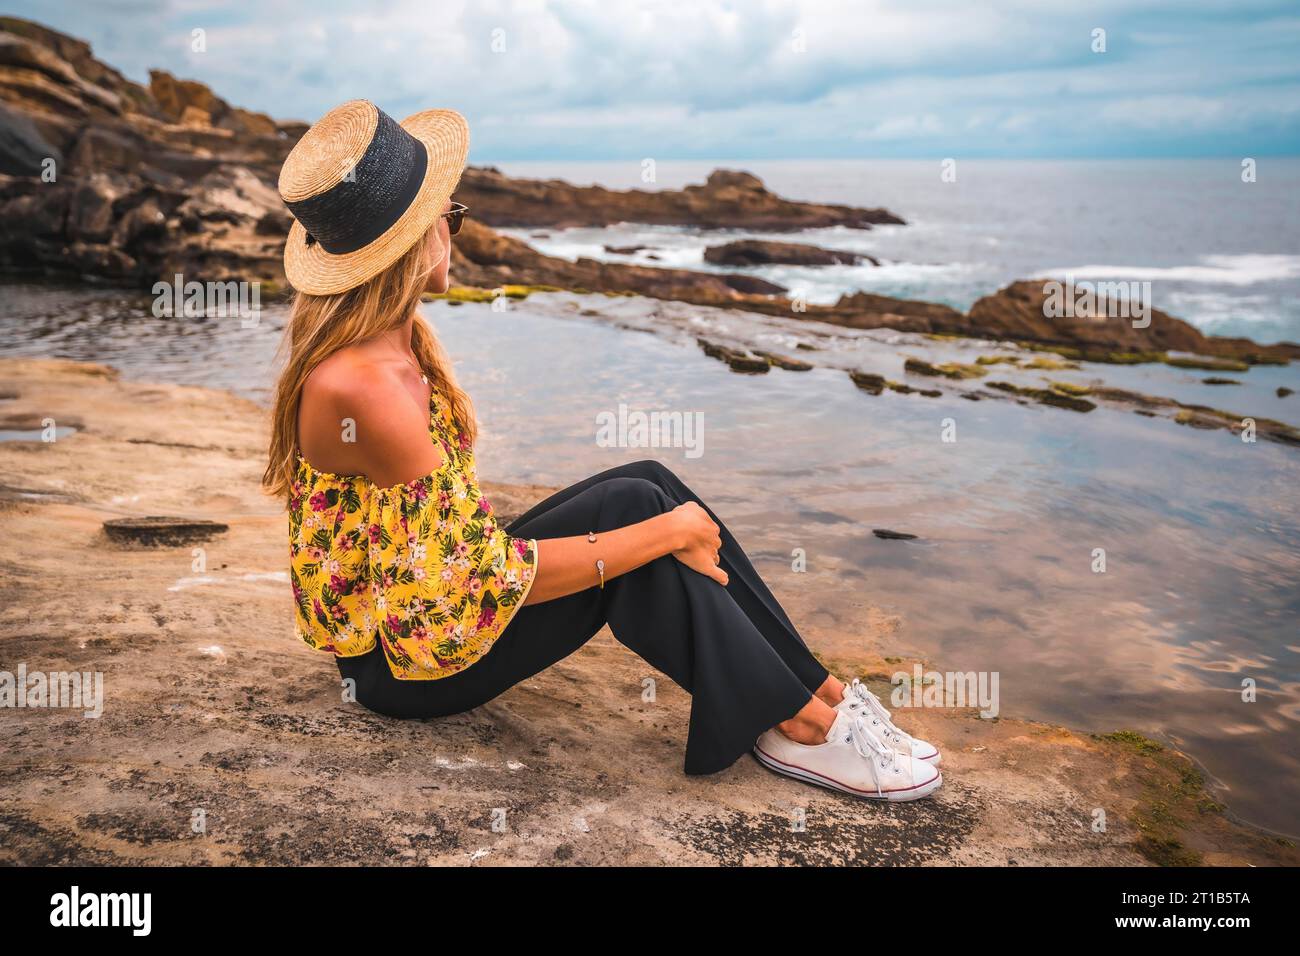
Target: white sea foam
(1219, 270)
(672, 246)
(941, 257)
(824, 285)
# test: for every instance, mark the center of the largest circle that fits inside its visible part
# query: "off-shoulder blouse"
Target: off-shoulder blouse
(423, 567)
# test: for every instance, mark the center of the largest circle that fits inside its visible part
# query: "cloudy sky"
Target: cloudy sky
(702, 79)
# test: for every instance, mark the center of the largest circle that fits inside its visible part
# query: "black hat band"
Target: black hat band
(371, 196)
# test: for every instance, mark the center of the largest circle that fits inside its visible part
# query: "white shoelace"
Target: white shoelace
(872, 748)
(872, 702)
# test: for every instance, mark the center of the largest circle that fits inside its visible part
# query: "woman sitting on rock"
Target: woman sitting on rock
(398, 565)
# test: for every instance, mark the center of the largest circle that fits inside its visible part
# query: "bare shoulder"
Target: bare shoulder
(349, 378)
(357, 412)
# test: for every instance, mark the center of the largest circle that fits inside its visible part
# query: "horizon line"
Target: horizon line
(936, 157)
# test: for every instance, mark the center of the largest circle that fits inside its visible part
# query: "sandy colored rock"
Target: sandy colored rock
(213, 705)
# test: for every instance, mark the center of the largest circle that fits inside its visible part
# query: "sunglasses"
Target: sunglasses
(455, 217)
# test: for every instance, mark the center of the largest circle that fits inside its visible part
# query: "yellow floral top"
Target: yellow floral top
(422, 567)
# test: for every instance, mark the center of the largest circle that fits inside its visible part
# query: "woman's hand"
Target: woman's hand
(568, 565)
(702, 541)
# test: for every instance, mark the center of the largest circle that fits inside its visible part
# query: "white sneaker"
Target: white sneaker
(853, 760)
(859, 700)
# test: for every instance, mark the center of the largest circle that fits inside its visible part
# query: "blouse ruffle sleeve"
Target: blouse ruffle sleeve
(328, 565)
(444, 578)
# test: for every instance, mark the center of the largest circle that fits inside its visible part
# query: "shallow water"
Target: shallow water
(1201, 531)
(36, 434)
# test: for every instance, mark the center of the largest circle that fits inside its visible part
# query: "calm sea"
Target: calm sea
(1219, 252)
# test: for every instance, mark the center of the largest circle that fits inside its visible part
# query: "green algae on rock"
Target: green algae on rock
(466, 293)
(785, 361)
(1199, 416)
(868, 381)
(909, 390)
(738, 360)
(954, 370)
(1208, 364)
(875, 384)
(1173, 795)
(1069, 388)
(1045, 396)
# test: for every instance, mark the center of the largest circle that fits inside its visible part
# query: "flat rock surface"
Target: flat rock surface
(215, 712)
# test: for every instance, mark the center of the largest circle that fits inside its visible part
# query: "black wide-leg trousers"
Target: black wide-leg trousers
(732, 648)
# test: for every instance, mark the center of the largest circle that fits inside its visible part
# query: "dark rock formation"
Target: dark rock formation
(484, 257)
(1046, 396)
(1198, 416)
(955, 370)
(868, 381)
(728, 200)
(1017, 312)
(151, 181)
(739, 360)
(875, 384)
(761, 252)
(785, 361)
(162, 532)
(105, 177)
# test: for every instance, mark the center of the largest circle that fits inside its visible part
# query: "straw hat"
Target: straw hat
(363, 189)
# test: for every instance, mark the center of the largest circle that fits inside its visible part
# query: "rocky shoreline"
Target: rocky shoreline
(728, 199)
(150, 182)
(212, 705)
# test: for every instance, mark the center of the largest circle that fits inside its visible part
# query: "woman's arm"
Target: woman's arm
(392, 445)
(568, 565)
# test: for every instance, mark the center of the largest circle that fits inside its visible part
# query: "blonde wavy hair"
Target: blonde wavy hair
(320, 325)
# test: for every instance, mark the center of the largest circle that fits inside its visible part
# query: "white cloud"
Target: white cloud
(725, 77)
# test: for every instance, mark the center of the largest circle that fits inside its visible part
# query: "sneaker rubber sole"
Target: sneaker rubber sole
(811, 776)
